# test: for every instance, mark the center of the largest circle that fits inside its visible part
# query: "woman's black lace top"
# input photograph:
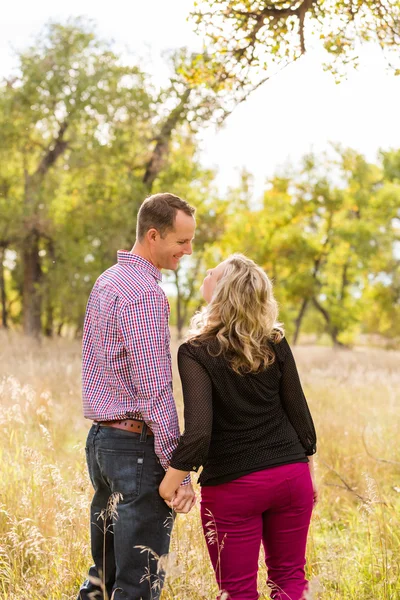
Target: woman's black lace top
(238, 424)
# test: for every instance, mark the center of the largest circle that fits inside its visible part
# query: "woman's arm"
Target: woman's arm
(296, 407)
(293, 399)
(192, 449)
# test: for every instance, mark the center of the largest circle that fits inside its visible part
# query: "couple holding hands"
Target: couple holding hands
(247, 422)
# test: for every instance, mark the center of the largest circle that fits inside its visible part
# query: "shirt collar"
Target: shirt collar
(134, 260)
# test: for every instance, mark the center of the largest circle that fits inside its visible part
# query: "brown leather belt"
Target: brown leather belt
(132, 425)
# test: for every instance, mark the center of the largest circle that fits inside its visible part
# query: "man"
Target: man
(127, 392)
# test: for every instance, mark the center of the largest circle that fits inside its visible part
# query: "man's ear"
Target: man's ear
(152, 235)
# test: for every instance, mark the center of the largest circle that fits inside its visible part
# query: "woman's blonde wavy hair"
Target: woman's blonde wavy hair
(241, 317)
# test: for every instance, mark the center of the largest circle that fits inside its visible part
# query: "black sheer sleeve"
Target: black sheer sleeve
(192, 449)
(293, 399)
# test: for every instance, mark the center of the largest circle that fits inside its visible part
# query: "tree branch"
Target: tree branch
(54, 151)
(299, 11)
(228, 112)
(382, 460)
(322, 310)
(345, 485)
(157, 158)
(273, 11)
(345, 280)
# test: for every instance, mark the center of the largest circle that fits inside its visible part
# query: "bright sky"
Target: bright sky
(299, 110)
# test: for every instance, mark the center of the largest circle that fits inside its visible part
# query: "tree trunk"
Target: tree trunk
(48, 327)
(299, 320)
(4, 315)
(191, 290)
(334, 335)
(179, 316)
(333, 331)
(32, 271)
(32, 300)
(179, 319)
(49, 311)
(160, 152)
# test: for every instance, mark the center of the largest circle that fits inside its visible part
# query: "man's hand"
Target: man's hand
(181, 498)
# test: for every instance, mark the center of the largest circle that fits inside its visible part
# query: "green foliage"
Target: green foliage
(328, 243)
(248, 41)
(79, 133)
(85, 138)
(184, 175)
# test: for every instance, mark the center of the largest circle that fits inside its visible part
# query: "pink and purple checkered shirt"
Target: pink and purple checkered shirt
(126, 367)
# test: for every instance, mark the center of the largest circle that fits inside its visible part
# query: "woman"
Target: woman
(247, 422)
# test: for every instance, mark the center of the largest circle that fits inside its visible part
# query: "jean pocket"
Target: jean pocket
(122, 469)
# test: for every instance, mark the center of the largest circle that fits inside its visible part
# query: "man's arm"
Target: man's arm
(143, 326)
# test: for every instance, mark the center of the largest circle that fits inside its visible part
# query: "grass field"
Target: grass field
(354, 545)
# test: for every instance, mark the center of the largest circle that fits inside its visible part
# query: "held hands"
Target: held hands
(182, 500)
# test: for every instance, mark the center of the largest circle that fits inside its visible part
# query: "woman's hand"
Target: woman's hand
(181, 498)
(315, 491)
(180, 501)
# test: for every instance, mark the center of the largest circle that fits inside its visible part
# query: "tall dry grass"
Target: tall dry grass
(354, 544)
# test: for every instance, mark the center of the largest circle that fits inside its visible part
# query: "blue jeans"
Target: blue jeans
(125, 463)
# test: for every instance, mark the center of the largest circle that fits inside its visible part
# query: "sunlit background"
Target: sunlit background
(298, 110)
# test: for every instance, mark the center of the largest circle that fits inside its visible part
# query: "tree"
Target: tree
(344, 226)
(11, 191)
(184, 175)
(325, 235)
(250, 39)
(69, 97)
(88, 138)
(382, 298)
(196, 97)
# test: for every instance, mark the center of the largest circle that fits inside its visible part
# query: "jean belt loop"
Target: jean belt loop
(143, 435)
(97, 427)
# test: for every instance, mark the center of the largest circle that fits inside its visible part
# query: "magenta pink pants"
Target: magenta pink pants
(272, 506)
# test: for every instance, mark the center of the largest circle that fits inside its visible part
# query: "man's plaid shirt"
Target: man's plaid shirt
(126, 368)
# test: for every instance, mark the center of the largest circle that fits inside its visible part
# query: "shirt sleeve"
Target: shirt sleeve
(293, 399)
(193, 446)
(144, 330)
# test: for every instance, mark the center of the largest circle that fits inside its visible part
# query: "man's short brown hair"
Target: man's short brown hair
(159, 212)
